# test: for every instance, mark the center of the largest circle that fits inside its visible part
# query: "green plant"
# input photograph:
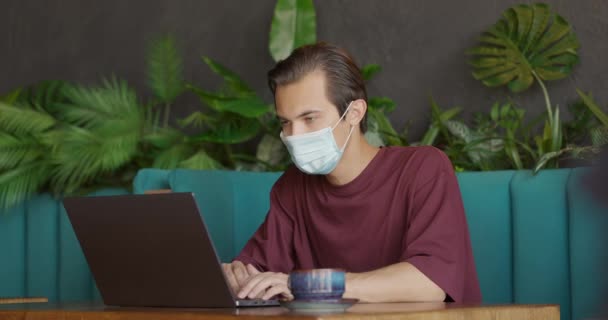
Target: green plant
(597, 131)
(237, 114)
(380, 131)
(71, 139)
(234, 117)
(438, 118)
(599, 134)
(294, 24)
(165, 74)
(583, 121)
(499, 140)
(528, 44)
(67, 137)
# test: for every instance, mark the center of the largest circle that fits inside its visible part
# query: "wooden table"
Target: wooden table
(381, 311)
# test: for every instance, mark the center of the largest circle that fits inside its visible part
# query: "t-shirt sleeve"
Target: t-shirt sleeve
(271, 247)
(436, 241)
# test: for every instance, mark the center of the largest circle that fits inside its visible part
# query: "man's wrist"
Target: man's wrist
(351, 285)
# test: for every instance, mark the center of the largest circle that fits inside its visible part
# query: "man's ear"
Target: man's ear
(356, 112)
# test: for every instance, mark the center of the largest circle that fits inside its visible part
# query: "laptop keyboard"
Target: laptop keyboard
(256, 302)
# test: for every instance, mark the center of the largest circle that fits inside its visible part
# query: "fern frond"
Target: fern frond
(165, 69)
(84, 154)
(92, 107)
(20, 121)
(22, 182)
(15, 151)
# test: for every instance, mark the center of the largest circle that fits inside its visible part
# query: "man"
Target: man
(391, 217)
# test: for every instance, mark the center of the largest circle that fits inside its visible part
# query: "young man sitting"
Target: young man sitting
(392, 217)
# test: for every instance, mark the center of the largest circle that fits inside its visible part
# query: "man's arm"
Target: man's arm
(397, 282)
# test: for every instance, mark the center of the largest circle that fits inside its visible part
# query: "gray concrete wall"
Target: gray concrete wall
(419, 44)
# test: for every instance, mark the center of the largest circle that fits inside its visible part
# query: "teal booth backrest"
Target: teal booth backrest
(536, 239)
(40, 255)
(531, 234)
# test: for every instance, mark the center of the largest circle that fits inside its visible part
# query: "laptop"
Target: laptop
(151, 250)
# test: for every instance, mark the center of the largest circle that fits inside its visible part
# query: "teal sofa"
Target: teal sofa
(536, 239)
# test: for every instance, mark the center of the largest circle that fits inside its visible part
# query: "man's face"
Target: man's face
(303, 107)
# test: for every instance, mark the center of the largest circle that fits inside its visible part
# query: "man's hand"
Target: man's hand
(237, 274)
(265, 285)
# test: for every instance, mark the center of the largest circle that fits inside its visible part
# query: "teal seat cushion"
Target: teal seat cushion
(541, 269)
(487, 203)
(588, 250)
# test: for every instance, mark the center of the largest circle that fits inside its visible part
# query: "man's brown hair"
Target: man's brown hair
(344, 82)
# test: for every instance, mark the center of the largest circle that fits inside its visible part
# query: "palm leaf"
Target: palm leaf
(165, 70)
(15, 151)
(528, 41)
(22, 121)
(11, 97)
(84, 154)
(93, 107)
(293, 25)
(20, 183)
(45, 95)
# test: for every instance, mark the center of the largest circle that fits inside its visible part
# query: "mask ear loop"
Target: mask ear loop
(342, 117)
(351, 127)
(347, 138)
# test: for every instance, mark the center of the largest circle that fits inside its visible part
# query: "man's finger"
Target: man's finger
(227, 268)
(251, 283)
(275, 290)
(241, 274)
(252, 270)
(263, 285)
(237, 264)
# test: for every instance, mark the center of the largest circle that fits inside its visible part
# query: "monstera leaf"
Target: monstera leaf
(528, 42)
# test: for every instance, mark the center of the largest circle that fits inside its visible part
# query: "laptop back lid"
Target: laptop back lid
(149, 250)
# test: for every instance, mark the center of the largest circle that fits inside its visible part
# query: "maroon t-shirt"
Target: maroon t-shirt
(404, 206)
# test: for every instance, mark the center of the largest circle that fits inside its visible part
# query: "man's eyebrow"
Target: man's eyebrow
(302, 115)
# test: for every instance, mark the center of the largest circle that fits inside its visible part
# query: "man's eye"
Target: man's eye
(309, 119)
(284, 123)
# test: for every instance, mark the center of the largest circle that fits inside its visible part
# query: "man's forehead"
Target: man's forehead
(299, 110)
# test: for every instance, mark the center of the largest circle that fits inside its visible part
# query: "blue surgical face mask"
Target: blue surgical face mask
(316, 152)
